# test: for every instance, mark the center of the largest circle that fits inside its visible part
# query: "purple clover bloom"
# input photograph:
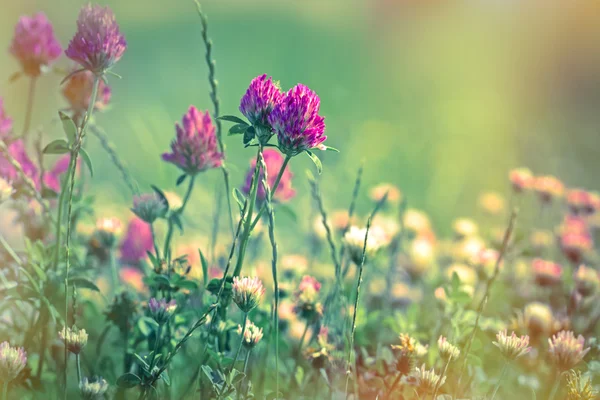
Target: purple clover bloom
(98, 44)
(138, 240)
(260, 99)
(34, 43)
(161, 310)
(8, 172)
(297, 122)
(274, 162)
(195, 147)
(5, 122)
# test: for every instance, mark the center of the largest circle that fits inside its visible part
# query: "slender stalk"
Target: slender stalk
(245, 373)
(179, 211)
(71, 180)
(78, 362)
(555, 386)
(212, 80)
(156, 346)
(504, 369)
(5, 390)
(29, 107)
(393, 386)
(490, 282)
(352, 206)
(237, 353)
(438, 384)
(43, 345)
(263, 208)
(247, 222)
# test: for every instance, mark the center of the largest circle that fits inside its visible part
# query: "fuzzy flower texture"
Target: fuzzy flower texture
(12, 361)
(161, 310)
(195, 148)
(75, 339)
(260, 99)
(98, 43)
(93, 389)
(247, 292)
(149, 207)
(34, 44)
(512, 346)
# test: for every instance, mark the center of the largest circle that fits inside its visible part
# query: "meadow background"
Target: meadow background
(440, 98)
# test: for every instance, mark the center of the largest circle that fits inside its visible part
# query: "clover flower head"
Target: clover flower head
(587, 280)
(78, 92)
(491, 203)
(447, 350)
(110, 225)
(93, 389)
(548, 188)
(161, 310)
(252, 334)
(355, 243)
(195, 147)
(521, 179)
(98, 43)
(274, 162)
(297, 122)
(513, 346)
(6, 122)
(394, 195)
(259, 100)
(75, 339)
(580, 388)
(428, 380)
(12, 361)
(34, 44)
(547, 273)
(306, 297)
(566, 350)
(149, 207)
(247, 292)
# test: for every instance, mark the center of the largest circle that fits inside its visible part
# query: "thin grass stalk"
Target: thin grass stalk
(489, 283)
(111, 150)
(26, 180)
(355, 192)
(212, 80)
(29, 107)
(357, 297)
(439, 382)
(263, 208)
(271, 214)
(71, 181)
(179, 211)
(504, 369)
(239, 349)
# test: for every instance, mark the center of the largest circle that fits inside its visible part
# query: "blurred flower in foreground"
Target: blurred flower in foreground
(78, 91)
(575, 238)
(247, 292)
(566, 350)
(406, 352)
(149, 207)
(491, 203)
(93, 389)
(521, 179)
(98, 44)
(161, 310)
(133, 277)
(580, 388)
(274, 161)
(428, 380)
(355, 243)
(466, 274)
(252, 334)
(320, 357)
(447, 350)
(546, 272)
(394, 195)
(195, 148)
(5, 121)
(52, 178)
(421, 256)
(12, 361)
(536, 319)
(306, 298)
(297, 122)
(7, 171)
(75, 339)
(548, 188)
(416, 222)
(587, 280)
(137, 242)
(34, 44)
(6, 190)
(258, 102)
(464, 228)
(513, 346)
(109, 225)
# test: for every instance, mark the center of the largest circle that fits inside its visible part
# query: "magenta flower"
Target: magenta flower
(5, 121)
(260, 99)
(78, 90)
(161, 310)
(274, 162)
(98, 44)
(137, 241)
(8, 172)
(34, 43)
(195, 147)
(297, 122)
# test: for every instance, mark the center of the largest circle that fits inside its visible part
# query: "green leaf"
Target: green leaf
(30, 279)
(315, 160)
(128, 381)
(249, 135)
(176, 220)
(82, 283)
(327, 148)
(58, 146)
(239, 198)
(165, 378)
(163, 280)
(87, 160)
(299, 376)
(161, 194)
(238, 129)
(141, 361)
(204, 267)
(68, 126)
(232, 118)
(147, 325)
(181, 179)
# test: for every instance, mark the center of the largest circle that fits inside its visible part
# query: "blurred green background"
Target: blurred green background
(440, 98)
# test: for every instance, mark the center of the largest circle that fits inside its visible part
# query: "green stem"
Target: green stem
(504, 369)
(78, 362)
(555, 387)
(273, 190)
(156, 346)
(29, 109)
(247, 223)
(237, 353)
(179, 212)
(394, 384)
(71, 180)
(245, 374)
(5, 391)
